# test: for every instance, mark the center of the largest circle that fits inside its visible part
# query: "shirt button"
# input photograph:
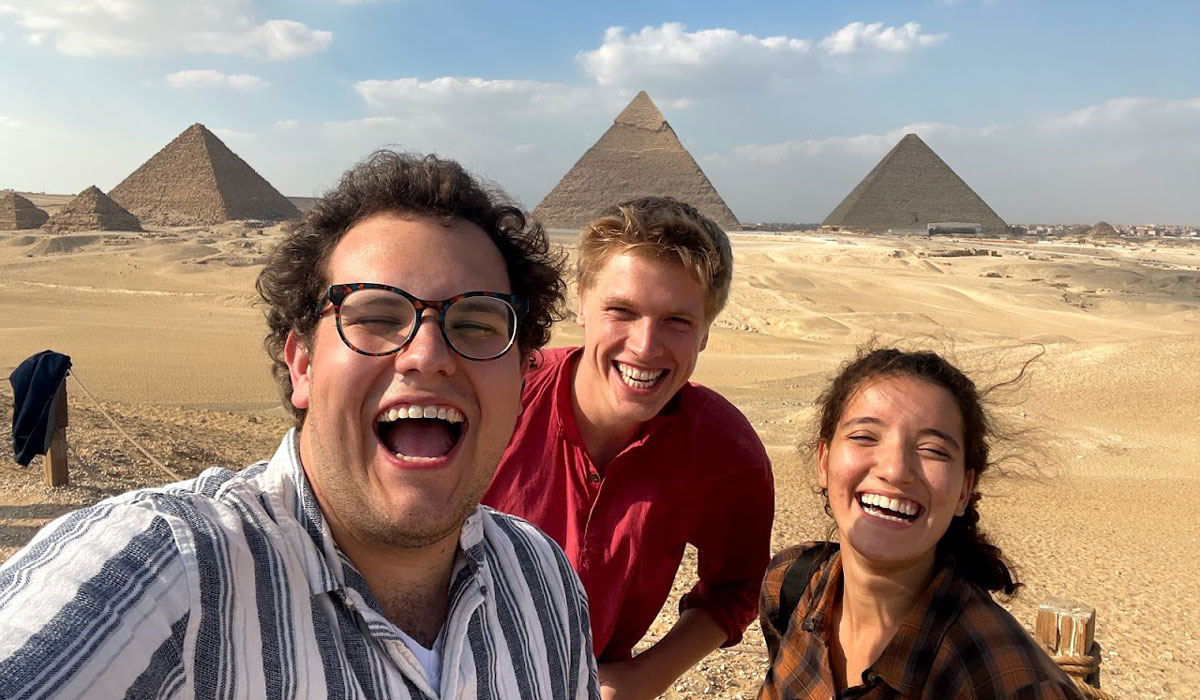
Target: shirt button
(593, 477)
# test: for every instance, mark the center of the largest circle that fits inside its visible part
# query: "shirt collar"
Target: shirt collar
(908, 657)
(327, 568)
(564, 407)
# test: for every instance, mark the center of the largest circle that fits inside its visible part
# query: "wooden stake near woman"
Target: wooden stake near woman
(900, 606)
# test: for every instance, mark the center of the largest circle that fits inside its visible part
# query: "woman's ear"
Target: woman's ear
(823, 464)
(967, 488)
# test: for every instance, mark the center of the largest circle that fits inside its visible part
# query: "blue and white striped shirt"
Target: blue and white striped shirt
(231, 586)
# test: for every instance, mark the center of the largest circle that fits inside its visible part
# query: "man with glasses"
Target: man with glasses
(624, 462)
(356, 563)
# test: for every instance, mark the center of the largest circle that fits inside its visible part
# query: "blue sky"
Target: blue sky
(1053, 111)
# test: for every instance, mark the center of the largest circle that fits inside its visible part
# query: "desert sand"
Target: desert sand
(165, 335)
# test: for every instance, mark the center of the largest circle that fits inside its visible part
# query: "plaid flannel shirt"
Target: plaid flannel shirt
(956, 642)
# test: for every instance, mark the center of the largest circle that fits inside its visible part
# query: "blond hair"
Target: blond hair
(664, 230)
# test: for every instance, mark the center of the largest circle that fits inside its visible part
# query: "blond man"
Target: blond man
(623, 461)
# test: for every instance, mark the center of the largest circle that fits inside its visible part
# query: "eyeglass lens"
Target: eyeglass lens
(380, 321)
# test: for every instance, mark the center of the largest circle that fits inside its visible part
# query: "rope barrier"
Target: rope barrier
(160, 465)
(1080, 667)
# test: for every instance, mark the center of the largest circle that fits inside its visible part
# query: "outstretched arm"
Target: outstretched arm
(652, 672)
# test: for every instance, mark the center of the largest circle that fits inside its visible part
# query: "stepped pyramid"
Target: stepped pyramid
(17, 213)
(638, 155)
(910, 188)
(92, 210)
(196, 179)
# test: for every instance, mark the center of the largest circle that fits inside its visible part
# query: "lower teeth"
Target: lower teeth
(886, 516)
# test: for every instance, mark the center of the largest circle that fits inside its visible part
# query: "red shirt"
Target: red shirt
(698, 474)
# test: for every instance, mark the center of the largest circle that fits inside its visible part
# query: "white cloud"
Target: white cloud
(672, 62)
(142, 27)
(862, 145)
(858, 36)
(232, 135)
(8, 122)
(1127, 114)
(212, 78)
(477, 98)
(668, 56)
(286, 124)
(36, 38)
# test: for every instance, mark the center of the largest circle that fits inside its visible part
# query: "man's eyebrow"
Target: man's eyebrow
(616, 300)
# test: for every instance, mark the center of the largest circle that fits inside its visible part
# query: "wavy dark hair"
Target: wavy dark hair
(407, 184)
(964, 545)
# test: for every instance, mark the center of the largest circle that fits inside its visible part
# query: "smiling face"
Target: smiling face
(400, 448)
(894, 470)
(644, 326)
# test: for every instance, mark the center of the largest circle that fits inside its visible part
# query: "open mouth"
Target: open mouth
(639, 378)
(900, 510)
(420, 433)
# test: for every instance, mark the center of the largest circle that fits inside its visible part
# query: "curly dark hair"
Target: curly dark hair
(964, 544)
(409, 184)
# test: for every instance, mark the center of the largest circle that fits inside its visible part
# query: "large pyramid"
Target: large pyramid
(638, 155)
(16, 212)
(196, 179)
(92, 210)
(910, 188)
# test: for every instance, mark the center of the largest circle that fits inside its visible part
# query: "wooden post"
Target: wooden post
(1068, 629)
(54, 464)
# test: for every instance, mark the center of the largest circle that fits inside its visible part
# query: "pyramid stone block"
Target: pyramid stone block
(908, 190)
(638, 155)
(197, 180)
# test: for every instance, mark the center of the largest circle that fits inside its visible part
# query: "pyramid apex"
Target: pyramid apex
(91, 189)
(641, 112)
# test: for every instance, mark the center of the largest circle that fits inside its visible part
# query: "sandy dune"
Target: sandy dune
(163, 330)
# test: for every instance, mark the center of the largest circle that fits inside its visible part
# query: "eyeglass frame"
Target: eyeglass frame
(336, 295)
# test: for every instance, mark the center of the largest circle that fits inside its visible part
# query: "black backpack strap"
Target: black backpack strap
(796, 579)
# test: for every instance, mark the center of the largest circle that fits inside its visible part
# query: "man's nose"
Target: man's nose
(427, 351)
(644, 337)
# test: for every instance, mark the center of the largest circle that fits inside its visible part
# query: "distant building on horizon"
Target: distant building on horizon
(638, 155)
(909, 190)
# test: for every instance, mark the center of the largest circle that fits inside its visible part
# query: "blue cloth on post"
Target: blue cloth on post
(35, 383)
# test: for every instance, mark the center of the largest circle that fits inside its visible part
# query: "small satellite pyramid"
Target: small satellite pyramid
(909, 189)
(92, 210)
(638, 155)
(18, 213)
(196, 179)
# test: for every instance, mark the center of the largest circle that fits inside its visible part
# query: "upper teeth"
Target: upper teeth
(900, 506)
(446, 413)
(642, 375)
